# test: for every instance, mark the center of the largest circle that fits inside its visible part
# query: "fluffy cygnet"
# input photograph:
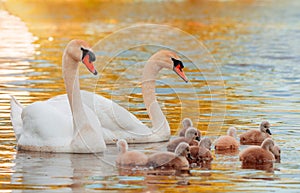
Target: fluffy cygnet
(170, 160)
(259, 154)
(129, 158)
(190, 135)
(256, 137)
(201, 153)
(186, 123)
(227, 142)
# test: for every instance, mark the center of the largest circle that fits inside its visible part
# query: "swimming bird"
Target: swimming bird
(171, 160)
(258, 154)
(62, 123)
(256, 137)
(120, 123)
(129, 158)
(205, 142)
(79, 119)
(227, 142)
(186, 123)
(190, 135)
(201, 153)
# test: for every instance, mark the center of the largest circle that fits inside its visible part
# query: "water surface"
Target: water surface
(254, 43)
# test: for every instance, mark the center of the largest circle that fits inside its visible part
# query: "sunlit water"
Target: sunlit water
(254, 43)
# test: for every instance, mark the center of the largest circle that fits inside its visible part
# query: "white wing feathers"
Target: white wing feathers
(15, 116)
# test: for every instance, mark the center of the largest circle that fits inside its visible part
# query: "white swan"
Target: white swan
(120, 123)
(116, 121)
(62, 123)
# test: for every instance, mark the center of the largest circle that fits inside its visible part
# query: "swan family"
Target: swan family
(83, 122)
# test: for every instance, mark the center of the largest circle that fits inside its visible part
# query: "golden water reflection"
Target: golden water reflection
(247, 39)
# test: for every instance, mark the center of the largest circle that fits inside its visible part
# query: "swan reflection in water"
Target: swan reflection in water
(63, 172)
(59, 171)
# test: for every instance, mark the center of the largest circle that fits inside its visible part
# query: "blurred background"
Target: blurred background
(255, 45)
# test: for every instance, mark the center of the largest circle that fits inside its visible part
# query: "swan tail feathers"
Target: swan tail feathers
(15, 116)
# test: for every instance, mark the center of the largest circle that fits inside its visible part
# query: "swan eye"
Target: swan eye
(84, 52)
(177, 64)
(91, 54)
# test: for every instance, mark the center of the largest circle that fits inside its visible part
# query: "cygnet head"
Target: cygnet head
(205, 142)
(231, 132)
(122, 145)
(268, 144)
(191, 133)
(186, 123)
(265, 127)
(183, 149)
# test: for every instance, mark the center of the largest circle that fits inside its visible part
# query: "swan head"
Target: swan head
(268, 144)
(80, 51)
(122, 145)
(169, 60)
(265, 127)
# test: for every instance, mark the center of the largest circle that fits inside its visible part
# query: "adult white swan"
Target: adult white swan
(120, 123)
(116, 121)
(62, 123)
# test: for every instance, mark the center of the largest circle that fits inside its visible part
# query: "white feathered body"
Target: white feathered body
(49, 124)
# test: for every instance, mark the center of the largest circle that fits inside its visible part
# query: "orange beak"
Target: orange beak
(179, 71)
(88, 61)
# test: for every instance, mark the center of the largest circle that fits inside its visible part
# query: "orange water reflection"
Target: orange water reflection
(70, 21)
(36, 35)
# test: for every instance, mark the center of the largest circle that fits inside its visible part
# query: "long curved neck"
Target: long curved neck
(70, 74)
(156, 115)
